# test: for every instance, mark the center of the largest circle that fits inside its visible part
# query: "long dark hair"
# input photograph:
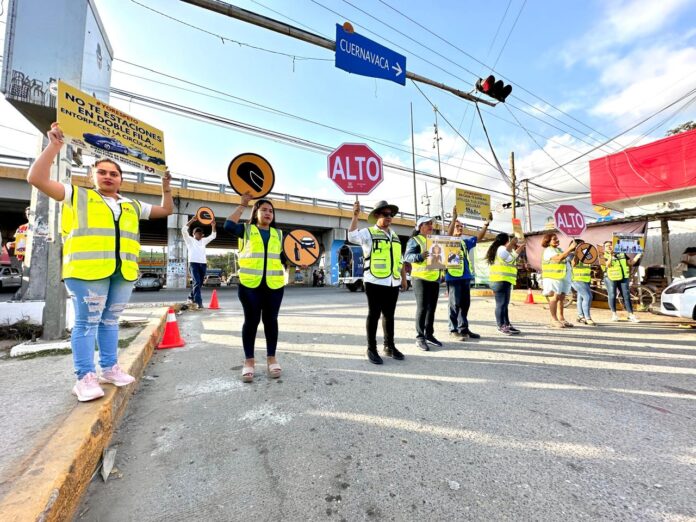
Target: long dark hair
(255, 211)
(500, 240)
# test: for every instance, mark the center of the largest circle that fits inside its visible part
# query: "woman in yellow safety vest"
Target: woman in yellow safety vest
(556, 274)
(101, 246)
(617, 273)
(581, 278)
(261, 279)
(502, 256)
(384, 274)
(426, 283)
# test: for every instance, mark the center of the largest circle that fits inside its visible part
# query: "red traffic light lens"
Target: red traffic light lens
(487, 85)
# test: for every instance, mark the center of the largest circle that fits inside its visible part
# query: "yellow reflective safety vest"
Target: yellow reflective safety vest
(254, 260)
(93, 240)
(385, 257)
(552, 270)
(501, 270)
(464, 258)
(618, 269)
(419, 270)
(582, 273)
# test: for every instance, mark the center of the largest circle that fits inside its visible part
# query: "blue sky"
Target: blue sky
(606, 65)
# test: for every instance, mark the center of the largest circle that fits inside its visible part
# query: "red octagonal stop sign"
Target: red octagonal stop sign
(355, 168)
(569, 220)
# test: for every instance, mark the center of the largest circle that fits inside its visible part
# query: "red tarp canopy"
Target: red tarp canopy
(666, 167)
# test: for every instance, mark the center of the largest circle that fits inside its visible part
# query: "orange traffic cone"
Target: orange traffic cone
(171, 337)
(530, 297)
(214, 302)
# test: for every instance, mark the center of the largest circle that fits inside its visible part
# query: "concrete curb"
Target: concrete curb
(52, 483)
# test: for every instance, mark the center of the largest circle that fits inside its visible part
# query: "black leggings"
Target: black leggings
(427, 293)
(260, 303)
(381, 302)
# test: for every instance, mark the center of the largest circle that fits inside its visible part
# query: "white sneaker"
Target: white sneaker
(615, 318)
(633, 318)
(87, 388)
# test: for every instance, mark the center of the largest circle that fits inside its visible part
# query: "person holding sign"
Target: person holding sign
(617, 273)
(261, 279)
(459, 279)
(426, 283)
(384, 274)
(502, 256)
(581, 278)
(195, 245)
(556, 274)
(100, 259)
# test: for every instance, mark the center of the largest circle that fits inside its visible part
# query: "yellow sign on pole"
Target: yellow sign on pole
(473, 205)
(106, 132)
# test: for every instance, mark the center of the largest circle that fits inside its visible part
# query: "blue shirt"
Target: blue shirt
(469, 244)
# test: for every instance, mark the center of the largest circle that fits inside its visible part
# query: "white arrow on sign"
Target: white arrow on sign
(397, 68)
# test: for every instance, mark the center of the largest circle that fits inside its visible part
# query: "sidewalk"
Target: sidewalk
(51, 444)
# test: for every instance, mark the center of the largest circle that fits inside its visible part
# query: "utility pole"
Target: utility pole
(439, 170)
(529, 207)
(233, 11)
(413, 157)
(425, 200)
(513, 183)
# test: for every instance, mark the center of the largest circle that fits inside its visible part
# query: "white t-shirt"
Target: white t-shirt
(114, 204)
(196, 248)
(363, 238)
(506, 255)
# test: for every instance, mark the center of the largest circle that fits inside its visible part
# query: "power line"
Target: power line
(500, 24)
(509, 34)
(178, 109)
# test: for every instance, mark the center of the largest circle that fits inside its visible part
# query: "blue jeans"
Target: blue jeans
(584, 298)
(98, 305)
(459, 291)
(502, 291)
(612, 288)
(197, 274)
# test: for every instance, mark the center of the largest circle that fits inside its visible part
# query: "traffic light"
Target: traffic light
(495, 89)
(509, 205)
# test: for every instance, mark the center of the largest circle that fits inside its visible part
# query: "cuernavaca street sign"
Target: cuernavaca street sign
(359, 55)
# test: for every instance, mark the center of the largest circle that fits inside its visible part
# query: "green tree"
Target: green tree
(689, 125)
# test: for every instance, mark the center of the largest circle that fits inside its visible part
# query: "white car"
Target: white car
(679, 299)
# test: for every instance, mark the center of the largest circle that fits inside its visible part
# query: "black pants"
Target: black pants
(260, 303)
(197, 276)
(427, 293)
(381, 302)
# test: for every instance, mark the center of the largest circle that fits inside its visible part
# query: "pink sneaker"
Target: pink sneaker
(116, 376)
(87, 388)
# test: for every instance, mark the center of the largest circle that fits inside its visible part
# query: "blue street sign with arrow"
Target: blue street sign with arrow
(360, 55)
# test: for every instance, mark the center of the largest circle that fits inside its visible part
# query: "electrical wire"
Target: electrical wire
(500, 24)
(490, 145)
(509, 34)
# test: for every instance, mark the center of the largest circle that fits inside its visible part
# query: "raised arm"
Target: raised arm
(237, 214)
(167, 206)
(450, 228)
(482, 232)
(561, 257)
(356, 213)
(40, 171)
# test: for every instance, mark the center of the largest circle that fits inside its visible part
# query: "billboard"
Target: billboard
(473, 205)
(664, 170)
(50, 41)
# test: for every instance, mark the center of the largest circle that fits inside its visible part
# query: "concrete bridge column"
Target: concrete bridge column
(177, 254)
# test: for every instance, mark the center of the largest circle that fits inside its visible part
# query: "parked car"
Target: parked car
(10, 278)
(233, 280)
(679, 299)
(105, 143)
(212, 280)
(149, 281)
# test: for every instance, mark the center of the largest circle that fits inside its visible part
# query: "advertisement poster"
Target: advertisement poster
(628, 243)
(445, 252)
(106, 132)
(473, 205)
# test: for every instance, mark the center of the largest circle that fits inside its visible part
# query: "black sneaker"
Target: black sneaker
(422, 345)
(374, 357)
(393, 353)
(513, 330)
(457, 336)
(471, 335)
(433, 341)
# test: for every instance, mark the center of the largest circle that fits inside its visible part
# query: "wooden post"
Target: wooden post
(666, 255)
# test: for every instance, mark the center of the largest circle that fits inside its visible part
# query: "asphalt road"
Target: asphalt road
(577, 424)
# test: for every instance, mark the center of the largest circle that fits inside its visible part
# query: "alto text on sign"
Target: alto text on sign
(569, 220)
(355, 168)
